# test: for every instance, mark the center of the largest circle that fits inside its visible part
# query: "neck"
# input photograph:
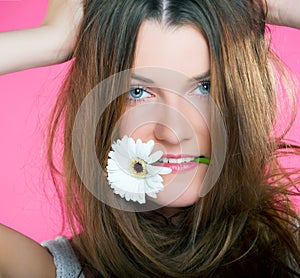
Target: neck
(173, 215)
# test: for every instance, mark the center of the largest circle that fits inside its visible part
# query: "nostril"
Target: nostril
(165, 133)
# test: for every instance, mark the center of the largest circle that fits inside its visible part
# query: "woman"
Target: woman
(243, 225)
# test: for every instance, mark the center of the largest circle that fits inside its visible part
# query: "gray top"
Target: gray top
(65, 260)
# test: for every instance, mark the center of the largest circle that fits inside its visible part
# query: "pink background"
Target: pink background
(25, 100)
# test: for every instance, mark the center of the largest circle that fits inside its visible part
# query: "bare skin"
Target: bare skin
(284, 12)
(48, 44)
(21, 257)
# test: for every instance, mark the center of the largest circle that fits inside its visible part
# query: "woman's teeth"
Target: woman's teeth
(176, 160)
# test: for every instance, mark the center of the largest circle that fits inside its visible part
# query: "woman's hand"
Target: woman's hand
(48, 44)
(284, 12)
(63, 18)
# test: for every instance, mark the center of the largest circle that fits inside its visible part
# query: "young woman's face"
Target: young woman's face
(168, 103)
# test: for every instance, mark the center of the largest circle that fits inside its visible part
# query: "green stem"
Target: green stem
(203, 160)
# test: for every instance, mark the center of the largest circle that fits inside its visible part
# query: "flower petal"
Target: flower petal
(119, 177)
(153, 186)
(139, 149)
(131, 148)
(125, 184)
(123, 162)
(112, 166)
(121, 146)
(155, 157)
(152, 170)
(148, 147)
(165, 170)
(158, 170)
(152, 195)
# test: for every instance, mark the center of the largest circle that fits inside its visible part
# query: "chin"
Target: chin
(182, 202)
(177, 192)
(187, 198)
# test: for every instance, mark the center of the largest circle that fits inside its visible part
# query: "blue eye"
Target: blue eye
(203, 88)
(138, 94)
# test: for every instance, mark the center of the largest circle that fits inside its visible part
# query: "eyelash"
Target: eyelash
(139, 100)
(201, 83)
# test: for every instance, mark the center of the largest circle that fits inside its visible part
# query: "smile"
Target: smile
(176, 160)
(178, 163)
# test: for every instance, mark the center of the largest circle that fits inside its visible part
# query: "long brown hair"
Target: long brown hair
(246, 224)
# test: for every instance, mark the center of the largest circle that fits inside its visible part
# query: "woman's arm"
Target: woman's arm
(21, 257)
(284, 12)
(48, 44)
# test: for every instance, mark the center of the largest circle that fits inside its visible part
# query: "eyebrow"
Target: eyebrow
(147, 80)
(141, 78)
(201, 76)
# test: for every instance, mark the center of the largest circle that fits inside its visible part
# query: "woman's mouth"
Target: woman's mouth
(178, 163)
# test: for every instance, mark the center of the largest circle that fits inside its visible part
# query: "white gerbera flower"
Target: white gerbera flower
(130, 173)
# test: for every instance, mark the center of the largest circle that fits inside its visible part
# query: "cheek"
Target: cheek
(198, 118)
(126, 125)
(203, 136)
(138, 121)
(135, 125)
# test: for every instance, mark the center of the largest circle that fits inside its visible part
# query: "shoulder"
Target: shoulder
(65, 260)
(20, 256)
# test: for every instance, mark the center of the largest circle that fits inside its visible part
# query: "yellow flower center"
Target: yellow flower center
(138, 168)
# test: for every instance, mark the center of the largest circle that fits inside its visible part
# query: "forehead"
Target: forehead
(183, 49)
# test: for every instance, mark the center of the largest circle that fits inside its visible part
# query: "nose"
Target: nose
(172, 123)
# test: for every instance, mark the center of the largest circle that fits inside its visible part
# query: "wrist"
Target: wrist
(60, 46)
(285, 13)
(273, 12)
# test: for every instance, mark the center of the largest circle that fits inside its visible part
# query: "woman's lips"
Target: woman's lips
(178, 162)
(170, 155)
(176, 167)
